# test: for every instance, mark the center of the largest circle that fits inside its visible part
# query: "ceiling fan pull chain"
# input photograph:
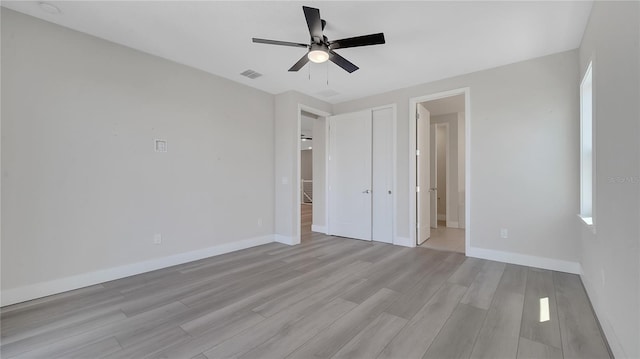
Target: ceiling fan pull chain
(327, 73)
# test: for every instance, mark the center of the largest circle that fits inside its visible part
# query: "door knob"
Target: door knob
(389, 191)
(366, 191)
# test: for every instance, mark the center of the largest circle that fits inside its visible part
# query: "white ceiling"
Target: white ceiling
(426, 41)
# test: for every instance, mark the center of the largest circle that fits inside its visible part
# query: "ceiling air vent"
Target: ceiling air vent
(251, 74)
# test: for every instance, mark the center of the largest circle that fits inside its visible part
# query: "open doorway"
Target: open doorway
(312, 171)
(440, 172)
(306, 174)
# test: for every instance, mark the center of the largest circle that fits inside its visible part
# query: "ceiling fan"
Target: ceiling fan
(320, 48)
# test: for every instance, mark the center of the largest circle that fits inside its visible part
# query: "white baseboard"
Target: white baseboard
(290, 240)
(43, 289)
(404, 241)
(603, 318)
(525, 260)
(451, 224)
(319, 229)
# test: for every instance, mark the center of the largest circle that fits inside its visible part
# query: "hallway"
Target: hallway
(445, 239)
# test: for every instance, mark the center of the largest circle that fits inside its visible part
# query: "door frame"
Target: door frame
(394, 110)
(298, 180)
(423, 144)
(413, 102)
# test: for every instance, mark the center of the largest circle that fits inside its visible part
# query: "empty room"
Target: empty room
(324, 179)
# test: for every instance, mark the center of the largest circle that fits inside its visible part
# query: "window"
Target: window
(586, 147)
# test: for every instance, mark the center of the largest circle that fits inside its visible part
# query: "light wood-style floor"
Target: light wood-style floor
(306, 219)
(445, 239)
(326, 298)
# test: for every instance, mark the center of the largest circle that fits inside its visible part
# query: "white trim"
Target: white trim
(586, 210)
(525, 260)
(467, 168)
(404, 241)
(296, 211)
(289, 240)
(326, 174)
(588, 222)
(319, 229)
(55, 286)
(413, 102)
(395, 173)
(603, 318)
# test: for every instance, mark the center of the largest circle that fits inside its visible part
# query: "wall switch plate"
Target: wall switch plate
(285, 180)
(259, 222)
(157, 238)
(504, 233)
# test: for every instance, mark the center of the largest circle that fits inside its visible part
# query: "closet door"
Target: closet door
(382, 175)
(350, 196)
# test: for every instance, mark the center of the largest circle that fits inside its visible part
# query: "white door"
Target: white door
(423, 200)
(382, 175)
(350, 175)
(433, 159)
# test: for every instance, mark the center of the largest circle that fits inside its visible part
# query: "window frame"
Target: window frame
(587, 149)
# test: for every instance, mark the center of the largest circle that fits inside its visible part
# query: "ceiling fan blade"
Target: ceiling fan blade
(276, 42)
(366, 40)
(342, 62)
(313, 22)
(300, 64)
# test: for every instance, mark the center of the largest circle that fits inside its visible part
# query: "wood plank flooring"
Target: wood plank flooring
(325, 298)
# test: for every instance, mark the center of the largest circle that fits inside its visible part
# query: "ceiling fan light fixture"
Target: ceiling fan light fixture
(318, 54)
(320, 48)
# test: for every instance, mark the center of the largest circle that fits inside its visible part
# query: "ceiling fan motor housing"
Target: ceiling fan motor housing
(320, 48)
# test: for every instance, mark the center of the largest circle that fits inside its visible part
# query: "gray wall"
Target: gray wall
(83, 189)
(287, 207)
(610, 256)
(524, 154)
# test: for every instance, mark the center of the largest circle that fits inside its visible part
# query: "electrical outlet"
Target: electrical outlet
(504, 233)
(259, 222)
(157, 238)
